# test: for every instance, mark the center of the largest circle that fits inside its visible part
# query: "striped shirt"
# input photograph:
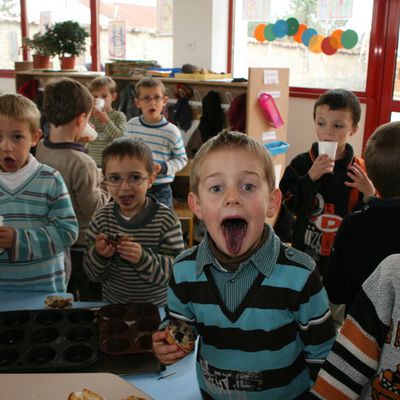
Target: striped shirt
(114, 128)
(158, 230)
(259, 330)
(166, 144)
(365, 360)
(40, 211)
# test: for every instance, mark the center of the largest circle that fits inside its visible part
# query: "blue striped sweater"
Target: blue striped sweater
(264, 347)
(166, 144)
(41, 212)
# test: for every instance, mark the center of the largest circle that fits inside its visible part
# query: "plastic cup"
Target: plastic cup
(99, 103)
(328, 148)
(89, 134)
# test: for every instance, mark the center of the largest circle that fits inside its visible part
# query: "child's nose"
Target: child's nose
(232, 196)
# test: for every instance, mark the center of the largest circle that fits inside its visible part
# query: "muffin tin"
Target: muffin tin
(47, 340)
(127, 328)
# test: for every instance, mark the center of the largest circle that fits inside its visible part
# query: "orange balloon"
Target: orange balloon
(315, 43)
(335, 39)
(259, 32)
(297, 36)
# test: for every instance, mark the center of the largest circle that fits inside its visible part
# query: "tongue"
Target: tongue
(234, 231)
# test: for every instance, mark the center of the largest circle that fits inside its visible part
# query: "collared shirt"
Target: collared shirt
(233, 286)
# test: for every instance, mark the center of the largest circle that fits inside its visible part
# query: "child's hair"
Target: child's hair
(149, 82)
(65, 99)
(100, 82)
(127, 147)
(382, 160)
(21, 109)
(340, 99)
(227, 140)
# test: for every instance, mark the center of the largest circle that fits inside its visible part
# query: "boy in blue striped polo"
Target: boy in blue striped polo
(39, 221)
(258, 307)
(163, 138)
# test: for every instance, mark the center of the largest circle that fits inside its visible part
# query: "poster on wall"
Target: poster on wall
(116, 39)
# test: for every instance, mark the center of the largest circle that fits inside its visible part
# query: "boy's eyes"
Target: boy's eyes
(246, 187)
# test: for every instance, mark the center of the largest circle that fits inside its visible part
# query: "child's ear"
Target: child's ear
(114, 96)
(354, 130)
(275, 199)
(195, 206)
(153, 175)
(136, 102)
(36, 137)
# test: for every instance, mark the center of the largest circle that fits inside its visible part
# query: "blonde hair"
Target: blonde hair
(226, 140)
(21, 109)
(149, 82)
(103, 81)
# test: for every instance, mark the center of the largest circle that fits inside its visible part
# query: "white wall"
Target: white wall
(301, 131)
(200, 33)
(7, 85)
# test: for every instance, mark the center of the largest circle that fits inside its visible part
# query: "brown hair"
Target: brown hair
(226, 140)
(21, 109)
(149, 82)
(340, 99)
(103, 81)
(128, 147)
(382, 160)
(64, 99)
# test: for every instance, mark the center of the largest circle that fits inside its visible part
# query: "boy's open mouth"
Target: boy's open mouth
(126, 200)
(234, 230)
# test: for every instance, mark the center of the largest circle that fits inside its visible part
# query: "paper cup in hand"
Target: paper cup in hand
(89, 134)
(99, 103)
(328, 148)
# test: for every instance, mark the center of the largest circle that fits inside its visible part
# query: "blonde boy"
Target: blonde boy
(163, 138)
(39, 221)
(109, 124)
(259, 308)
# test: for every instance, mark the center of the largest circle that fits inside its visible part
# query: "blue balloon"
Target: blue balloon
(280, 28)
(307, 35)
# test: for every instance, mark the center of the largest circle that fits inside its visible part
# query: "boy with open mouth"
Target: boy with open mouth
(258, 307)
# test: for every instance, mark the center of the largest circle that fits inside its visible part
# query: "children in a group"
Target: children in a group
(163, 138)
(365, 238)
(109, 124)
(258, 306)
(68, 116)
(365, 360)
(38, 218)
(133, 240)
(320, 191)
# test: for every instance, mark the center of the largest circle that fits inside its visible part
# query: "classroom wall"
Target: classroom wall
(7, 85)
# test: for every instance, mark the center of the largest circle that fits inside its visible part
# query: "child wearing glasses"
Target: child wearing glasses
(133, 240)
(163, 138)
(109, 124)
(68, 116)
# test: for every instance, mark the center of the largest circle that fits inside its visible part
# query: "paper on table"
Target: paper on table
(59, 386)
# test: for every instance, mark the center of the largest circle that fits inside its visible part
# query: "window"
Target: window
(309, 65)
(46, 12)
(136, 30)
(10, 33)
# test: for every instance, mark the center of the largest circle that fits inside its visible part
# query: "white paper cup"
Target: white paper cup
(328, 148)
(89, 134)
(99, 103)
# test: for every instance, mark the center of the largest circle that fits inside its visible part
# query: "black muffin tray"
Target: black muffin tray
(126, 329)
(47, 340)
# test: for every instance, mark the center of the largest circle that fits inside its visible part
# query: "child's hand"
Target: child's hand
(166, 353)
(322, 165)
(7, 237)
(99, 115)
(360, 181)
(157, 168)
(104, 248)
(130, 251)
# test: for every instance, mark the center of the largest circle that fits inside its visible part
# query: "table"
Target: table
(180, 381)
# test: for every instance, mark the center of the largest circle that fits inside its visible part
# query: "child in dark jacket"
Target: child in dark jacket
(321, 190)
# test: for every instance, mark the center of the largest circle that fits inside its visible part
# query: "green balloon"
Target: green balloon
(269, 32)
(349, 39)
(293, 26)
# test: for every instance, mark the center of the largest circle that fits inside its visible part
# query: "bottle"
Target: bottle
(271, 112)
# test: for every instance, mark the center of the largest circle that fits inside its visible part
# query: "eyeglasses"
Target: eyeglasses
(149, 99)
(132, 180)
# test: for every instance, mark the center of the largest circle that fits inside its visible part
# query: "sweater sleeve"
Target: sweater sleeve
(178, 158)
(297, 187)
(356, 353)
(114, 128)
(58, 232)
(156, 265)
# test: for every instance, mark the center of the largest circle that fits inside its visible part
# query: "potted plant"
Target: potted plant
(43, 46)
(70, 41)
